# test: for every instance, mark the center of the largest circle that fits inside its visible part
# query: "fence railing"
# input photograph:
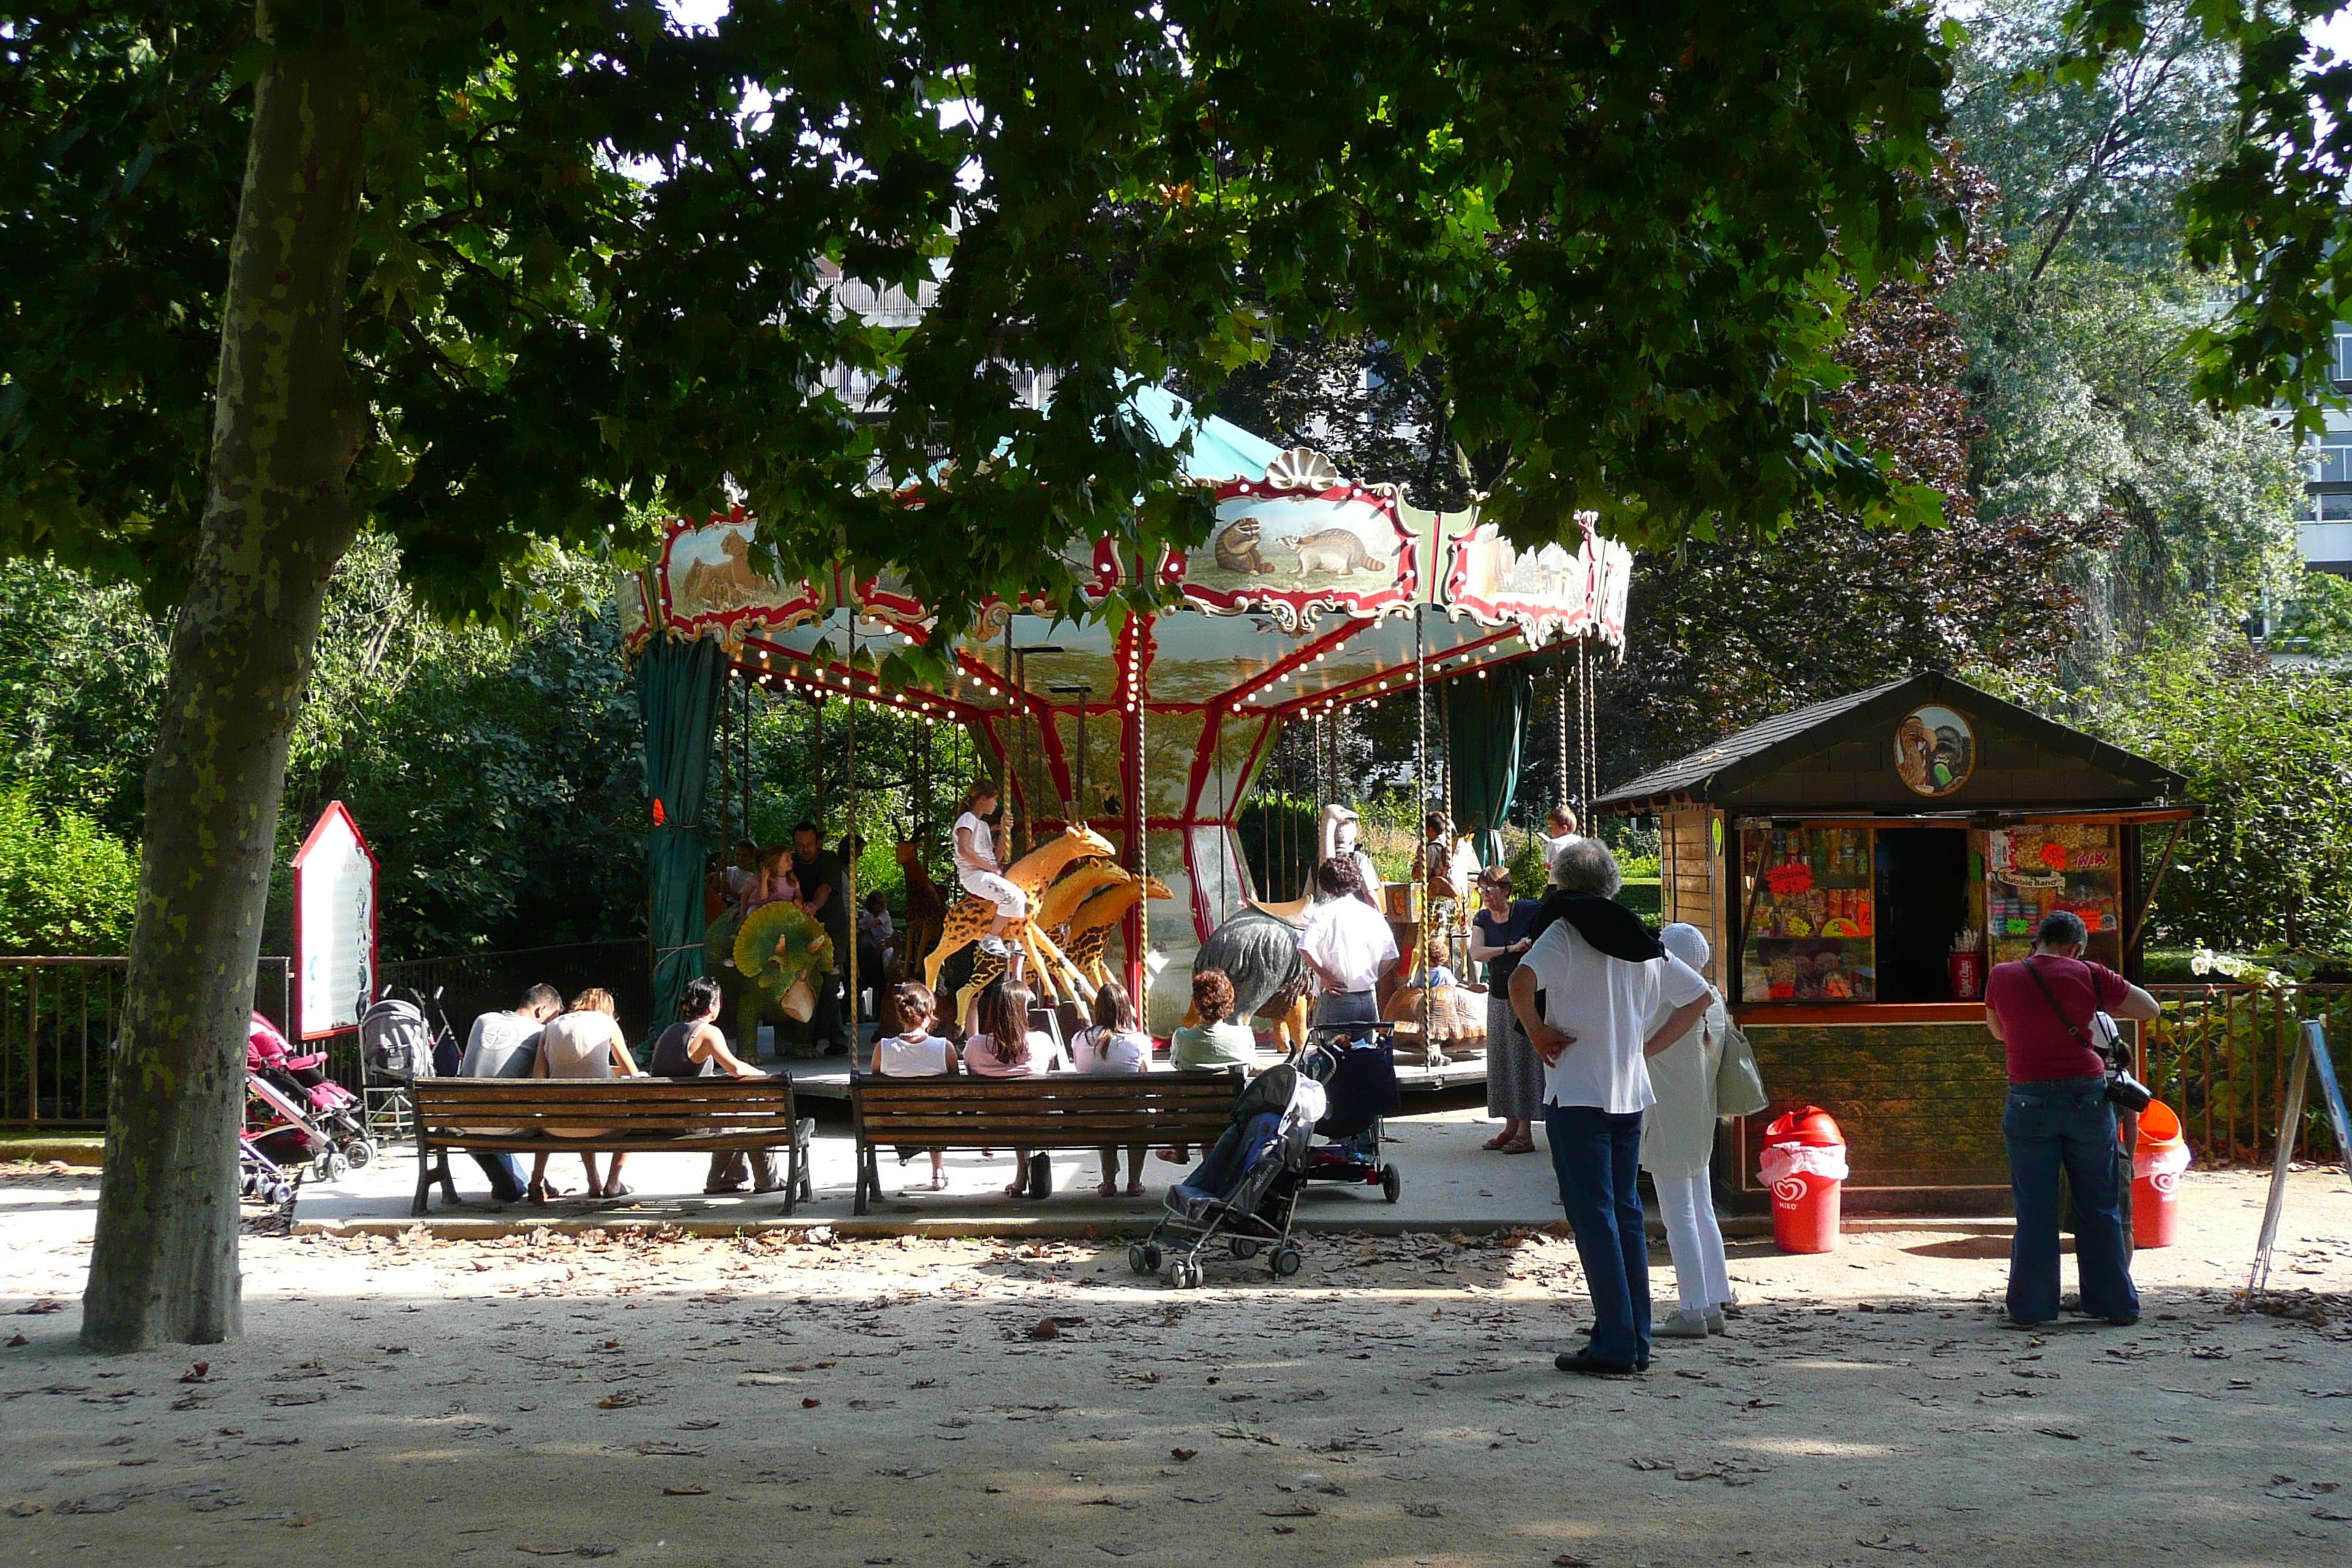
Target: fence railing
(475, 983)
(2221, 1059)
(58, 1017)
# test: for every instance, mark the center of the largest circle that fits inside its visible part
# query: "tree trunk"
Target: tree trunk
(277, 519)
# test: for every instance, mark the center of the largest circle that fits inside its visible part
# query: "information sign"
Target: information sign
(334, 926)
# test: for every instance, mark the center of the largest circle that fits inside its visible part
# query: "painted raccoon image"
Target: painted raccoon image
(1238, 548)
(1334, 550)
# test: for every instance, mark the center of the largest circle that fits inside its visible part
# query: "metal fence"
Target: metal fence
(475, 983)
(59, 1018)
(2222, 1059)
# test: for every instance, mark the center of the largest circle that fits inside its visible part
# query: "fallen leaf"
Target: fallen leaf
(2323, 1512)
(1197, 1497)
(1570, 1559)
(620, 1401)
(1641, 1464)
(658, 1445)
(198, 1373)
(1285, 1530)
(308, 1396)
(304, 1521)
(1292, 1511)
(41, 1307)
(1181, 1454)
(1888, 1543)
(810, 1404)
(1425, 1511)
(2060, 1432)
(16, 1340)
(689, 1489)
(105, 1502)
(1046, 1329)
(23, 1509)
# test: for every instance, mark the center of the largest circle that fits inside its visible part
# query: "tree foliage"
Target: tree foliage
(66, 884)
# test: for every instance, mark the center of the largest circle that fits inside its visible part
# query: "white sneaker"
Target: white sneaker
(1715, 1322)
(993, 945)
(1681, 1326)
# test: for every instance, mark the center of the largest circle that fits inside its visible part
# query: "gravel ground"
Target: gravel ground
(959, 1404)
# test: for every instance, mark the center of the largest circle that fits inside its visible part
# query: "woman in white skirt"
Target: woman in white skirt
(979, 872)
(1677, 1142)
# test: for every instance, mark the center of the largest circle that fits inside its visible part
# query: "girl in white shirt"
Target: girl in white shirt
(1115, 1044)
(978, 870)
(914, 1051)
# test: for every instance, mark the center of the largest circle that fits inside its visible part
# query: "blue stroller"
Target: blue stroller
(1357, 1065)
(1247, 1189)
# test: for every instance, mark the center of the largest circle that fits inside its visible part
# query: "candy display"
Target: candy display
(1811, 937)
(2032, 870)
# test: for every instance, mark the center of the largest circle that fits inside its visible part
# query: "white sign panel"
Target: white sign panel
(334, 926)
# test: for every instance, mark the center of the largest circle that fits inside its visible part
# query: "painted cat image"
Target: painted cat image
(1238, 548)
(1336, 551)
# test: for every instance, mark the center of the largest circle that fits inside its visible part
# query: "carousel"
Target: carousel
(1125, 754)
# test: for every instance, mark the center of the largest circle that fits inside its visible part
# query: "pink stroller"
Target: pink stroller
(296, 1092)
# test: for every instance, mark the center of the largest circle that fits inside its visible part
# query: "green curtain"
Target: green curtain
(679, 687)
(1485, 721)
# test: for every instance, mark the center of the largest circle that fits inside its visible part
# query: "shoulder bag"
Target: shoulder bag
(2122, 1089)
(1738, 1086)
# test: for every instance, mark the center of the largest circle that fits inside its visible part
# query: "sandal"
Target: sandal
(537, 1194)
(725, 1188)
(618, 1192)
(1108, 1190)
(1520, 1146)
(1498, 1142)
(940, 1183)
(1135, 1189)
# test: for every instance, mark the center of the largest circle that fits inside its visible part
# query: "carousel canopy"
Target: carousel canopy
(1311, 592)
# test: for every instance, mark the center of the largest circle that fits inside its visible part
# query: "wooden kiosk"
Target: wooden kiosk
(1858, 867)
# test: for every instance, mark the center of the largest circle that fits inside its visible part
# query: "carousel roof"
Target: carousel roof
(1310, 591)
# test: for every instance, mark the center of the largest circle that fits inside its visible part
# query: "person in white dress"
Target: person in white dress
(1678, 1141)
(979, 870)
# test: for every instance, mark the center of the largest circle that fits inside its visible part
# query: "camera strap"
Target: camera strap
(2071, 1027)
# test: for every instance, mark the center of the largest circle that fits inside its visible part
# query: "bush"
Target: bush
(67, 886)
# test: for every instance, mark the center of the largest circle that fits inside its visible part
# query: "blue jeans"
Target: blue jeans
(506, 1176)
(1597, 1158)
(2065, 1123)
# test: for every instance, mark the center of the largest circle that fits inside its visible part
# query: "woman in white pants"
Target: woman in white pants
(1677, 1140)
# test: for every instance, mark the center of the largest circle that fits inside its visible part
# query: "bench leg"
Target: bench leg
(448, 1181)
(867, 1178)
(800, 1185)
(424, 1200)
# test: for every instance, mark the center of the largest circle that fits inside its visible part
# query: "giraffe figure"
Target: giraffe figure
(1091, 923)
(968, 918)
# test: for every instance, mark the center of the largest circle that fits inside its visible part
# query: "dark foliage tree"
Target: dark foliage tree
(444, 309)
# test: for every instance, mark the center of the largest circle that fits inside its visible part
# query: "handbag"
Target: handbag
(2107, 1042)
(1738, 1086)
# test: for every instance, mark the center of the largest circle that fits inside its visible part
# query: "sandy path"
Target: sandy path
(890, 1402)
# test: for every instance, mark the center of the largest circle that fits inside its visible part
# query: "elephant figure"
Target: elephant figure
(1258, 950)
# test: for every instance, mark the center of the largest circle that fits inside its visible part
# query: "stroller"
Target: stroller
(259, 1178)
(1247, 1188)
(300, 1092)
(1357, 1065)
(397, 1046)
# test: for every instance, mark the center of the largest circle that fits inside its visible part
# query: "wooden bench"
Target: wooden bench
(639, 1115)
(1057, 1111)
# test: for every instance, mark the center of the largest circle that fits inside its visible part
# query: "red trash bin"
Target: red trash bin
(2157, 1165)
(1804, 1164)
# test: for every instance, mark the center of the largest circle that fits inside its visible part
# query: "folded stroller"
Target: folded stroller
(324, 1106)
(1247, 1188)
(1356, 1063)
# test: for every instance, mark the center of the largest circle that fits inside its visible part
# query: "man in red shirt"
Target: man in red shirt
(2058, 1117)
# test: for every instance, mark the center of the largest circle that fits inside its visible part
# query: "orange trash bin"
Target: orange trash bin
(2157, 1165)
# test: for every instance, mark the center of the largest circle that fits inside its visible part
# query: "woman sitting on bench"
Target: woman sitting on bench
(1005, 1046)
